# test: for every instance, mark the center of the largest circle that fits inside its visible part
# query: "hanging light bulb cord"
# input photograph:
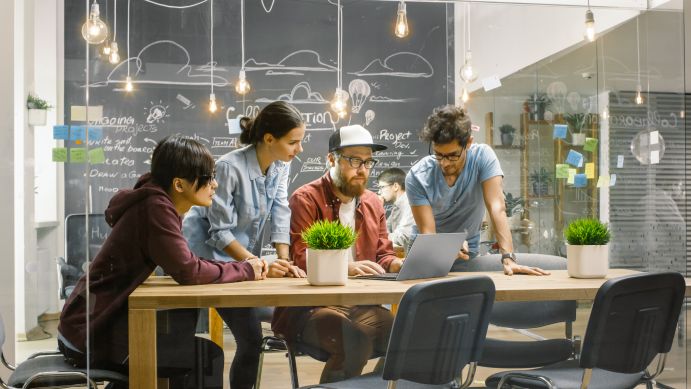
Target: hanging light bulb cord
(242, 33)
(339, 46)
(115, 20)
(128, 37)
(638, 54)
(467, 25)
(211, 33)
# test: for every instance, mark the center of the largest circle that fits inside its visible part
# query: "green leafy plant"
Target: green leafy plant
(538, 100)
(587, 231)
(577, 121)
(329, 235)
(35, 102)
(507, 129)
(513, 204)
(540, 176)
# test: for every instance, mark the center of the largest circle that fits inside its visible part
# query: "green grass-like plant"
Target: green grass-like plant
(35, 102)
(329, 235)
(587, 231)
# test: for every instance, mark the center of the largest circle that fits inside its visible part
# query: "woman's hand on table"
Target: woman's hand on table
(259, 266)
(285, 268)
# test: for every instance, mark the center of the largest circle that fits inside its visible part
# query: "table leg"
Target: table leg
(142, 348)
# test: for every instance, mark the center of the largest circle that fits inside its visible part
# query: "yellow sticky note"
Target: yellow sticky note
(590, 170)
(59, 154)
(78, 113)
(603, 181)
(572, 175)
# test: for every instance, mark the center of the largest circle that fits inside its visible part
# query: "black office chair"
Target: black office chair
(439, 329)
(49, 370)
(524, 315)
(632, 321)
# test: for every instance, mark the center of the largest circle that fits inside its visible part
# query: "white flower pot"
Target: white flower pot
(578, 139)
(37, 117)
(327, 267)
(587, 261)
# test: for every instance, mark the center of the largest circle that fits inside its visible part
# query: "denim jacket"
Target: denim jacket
(244, 199)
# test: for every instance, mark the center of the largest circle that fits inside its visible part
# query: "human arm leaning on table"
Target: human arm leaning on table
(280, 229)
(168, 248)
(494, 201)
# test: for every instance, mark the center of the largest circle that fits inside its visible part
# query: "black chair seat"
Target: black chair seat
(374, 381)
(524, 354)
(56, 363)
(568, 374)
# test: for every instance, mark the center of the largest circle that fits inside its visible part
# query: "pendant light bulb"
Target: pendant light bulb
(128, 84)
(465, 96)
(339, 104)
(468, 73)
(639, 96)
(114, 56)
(105, 49)
(242, 86)
(94, 30)
(212, 103)
(401, 30)
(589, 25)
(605, 113)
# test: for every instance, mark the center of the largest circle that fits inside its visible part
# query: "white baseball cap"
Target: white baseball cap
(355, 135)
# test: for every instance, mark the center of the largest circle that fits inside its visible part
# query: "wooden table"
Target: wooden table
(163, 292)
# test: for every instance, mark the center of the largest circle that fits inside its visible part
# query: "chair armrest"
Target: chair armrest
(5, 363)
(530, 377)
(44, 353)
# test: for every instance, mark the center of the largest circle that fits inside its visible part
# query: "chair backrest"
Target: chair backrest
(632, 320)
(439, 328)
(76, 236)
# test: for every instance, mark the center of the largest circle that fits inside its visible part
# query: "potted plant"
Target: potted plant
(37, 110)
(507, 131)
(587, 250)
(540, 180)
(577, 123)
(328, 243)
(514, 209)
(536, 105)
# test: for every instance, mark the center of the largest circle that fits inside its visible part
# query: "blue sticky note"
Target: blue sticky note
(95, 133)
(574, 158)
(60, 132)
(77, 133)
(559, 131)
(580, 181)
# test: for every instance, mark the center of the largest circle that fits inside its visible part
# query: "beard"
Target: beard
(349, 188)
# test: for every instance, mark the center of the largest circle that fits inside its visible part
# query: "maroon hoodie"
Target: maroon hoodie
(146, 233)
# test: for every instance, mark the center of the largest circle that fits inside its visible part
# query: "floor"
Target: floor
(276, 376)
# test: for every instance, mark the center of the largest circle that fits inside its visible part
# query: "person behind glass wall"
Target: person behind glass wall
(146, 232)
(400, 222)
(446, 189)
(252, 188)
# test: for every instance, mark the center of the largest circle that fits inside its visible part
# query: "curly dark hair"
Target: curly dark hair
(446, 124)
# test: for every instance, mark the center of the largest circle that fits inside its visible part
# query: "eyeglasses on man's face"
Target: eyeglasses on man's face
(451, 157)
(356, 162)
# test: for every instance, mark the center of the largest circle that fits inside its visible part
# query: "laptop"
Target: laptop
(430, 256)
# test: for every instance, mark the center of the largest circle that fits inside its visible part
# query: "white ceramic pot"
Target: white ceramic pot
(327, 267)
(578, 139)
(587, 261)
(37, 117)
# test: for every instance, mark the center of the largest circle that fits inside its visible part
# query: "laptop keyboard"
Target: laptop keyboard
(383, 276)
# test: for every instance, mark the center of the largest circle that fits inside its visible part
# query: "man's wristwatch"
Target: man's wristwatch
(508, 255)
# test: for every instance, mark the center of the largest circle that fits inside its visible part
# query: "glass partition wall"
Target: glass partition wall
(581, 129)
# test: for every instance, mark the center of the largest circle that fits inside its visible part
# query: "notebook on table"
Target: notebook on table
(430, 256)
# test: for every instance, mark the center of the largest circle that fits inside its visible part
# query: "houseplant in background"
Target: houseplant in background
(536, 105)
(577, 124)
(328, 243)
(514, 210)
(507, 131)
(38, 109)
(540, 180)
(587, 249)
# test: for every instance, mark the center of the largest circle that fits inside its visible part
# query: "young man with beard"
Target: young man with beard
(348, 333)
(446, 189)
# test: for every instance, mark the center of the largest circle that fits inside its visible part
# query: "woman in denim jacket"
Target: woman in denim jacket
(252, 191)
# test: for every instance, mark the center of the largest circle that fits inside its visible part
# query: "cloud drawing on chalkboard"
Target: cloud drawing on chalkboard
(297, 61)
(172, 67)
(401, 64)
(300, 94)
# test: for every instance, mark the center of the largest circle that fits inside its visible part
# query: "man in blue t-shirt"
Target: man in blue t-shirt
(447, 189)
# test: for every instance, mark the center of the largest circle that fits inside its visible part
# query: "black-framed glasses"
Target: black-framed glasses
(356, 162)
(451, 157)
(382, 187)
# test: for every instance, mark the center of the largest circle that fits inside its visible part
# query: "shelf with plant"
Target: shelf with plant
(541, 180)
(38, 108)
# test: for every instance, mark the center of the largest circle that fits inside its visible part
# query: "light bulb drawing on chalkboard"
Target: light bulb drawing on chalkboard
(401, 64)
(369, 116)
(156, 113)
(359, 92)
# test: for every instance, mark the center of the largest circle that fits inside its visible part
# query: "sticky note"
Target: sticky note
(562, 170)
(491, 82)
(590, 170)
(77, 133)
(643, 140)
(603, 181)
(590, 144)
(574, 158)
(77, 155)
(61, 132)
(59, 154)
(95, 133)
(572, 176)
(620, 161)
(96, 156)
(559, 131)
(655, 157)
(612, 179)
(654, 137)
(580, 180)
(78, 113)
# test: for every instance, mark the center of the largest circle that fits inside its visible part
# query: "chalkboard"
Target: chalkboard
(72, 266)
(290, 54)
